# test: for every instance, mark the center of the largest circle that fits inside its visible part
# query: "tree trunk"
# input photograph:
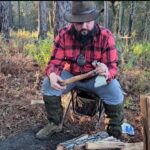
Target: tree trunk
(42, 26)
(61, 8)
(131, 19)
(106, 14)
(10, 14)
(146, 23)
(4, 20)
(121, 17)
(19, 25)
(52, 13)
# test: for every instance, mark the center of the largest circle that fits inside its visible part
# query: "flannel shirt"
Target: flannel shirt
(66, 50)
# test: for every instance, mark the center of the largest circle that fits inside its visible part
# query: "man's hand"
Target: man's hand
(101, 69)
(54, 80)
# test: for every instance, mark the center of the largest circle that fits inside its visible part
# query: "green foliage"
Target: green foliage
(131, 55)
(128, 102)
(142, 83)
(39, 51)
(26, 42)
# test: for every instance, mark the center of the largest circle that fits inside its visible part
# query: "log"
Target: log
(145, 111)
(104, 145)
(79, 142)
(134, 146)
(67, 145)
(113, 145)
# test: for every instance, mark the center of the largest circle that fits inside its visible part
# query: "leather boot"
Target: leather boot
(115, 116)
(54, 114)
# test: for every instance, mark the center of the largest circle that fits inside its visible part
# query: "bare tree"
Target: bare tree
(10, 13)
(42, 25)
(19, 15)
(4, 19)
(146, 22)
(121, 18)
(61, 7)
(52, 13)
(131, 19)
(106, 13)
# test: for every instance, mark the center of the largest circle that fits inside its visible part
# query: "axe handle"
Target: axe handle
(78, 78)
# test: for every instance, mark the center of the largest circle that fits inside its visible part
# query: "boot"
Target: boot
(115, 116)
(54, 114)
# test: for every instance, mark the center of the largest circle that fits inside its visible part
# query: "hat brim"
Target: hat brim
(82, 18)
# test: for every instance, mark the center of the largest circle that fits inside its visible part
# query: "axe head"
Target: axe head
(99, 81)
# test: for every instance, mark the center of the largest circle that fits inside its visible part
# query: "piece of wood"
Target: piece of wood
(134, 146)
(33, 102)
(60, 147)
(148, 107)
(78, 78)
(104, 145)
(70, 143)
(112, 145)
(145, 112)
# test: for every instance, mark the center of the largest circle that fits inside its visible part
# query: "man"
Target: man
(81, 45)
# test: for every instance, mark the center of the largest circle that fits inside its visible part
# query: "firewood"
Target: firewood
(79, 142)
(104, 145)
(133, 146)
(113, 145)
(71, 143)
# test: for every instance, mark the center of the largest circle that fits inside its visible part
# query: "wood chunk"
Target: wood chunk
(145, 111)
(113, 145)
(104, 145)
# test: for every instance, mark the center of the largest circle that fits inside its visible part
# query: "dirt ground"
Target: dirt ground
(20, 81)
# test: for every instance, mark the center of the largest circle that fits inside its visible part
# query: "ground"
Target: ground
(20, 81)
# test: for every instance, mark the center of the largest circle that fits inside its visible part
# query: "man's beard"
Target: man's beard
(84, 36)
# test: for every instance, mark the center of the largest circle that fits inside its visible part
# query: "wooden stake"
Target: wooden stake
(145, 110)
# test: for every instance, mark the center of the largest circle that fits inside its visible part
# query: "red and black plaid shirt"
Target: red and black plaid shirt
(66, 50)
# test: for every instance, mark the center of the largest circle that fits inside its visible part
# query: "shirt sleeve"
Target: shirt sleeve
(56, 62)
(110, 56)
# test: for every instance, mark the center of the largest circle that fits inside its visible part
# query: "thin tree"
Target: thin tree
(121, 18)
(146, 22)
(19, 15)
(106, 13)
(61, 7)
(10, 13)
(4, 20)
(131, 19)
(42, 24)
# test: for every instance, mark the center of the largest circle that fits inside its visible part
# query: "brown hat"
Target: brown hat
(82, 11)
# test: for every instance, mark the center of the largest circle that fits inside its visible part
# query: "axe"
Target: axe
(99, 81)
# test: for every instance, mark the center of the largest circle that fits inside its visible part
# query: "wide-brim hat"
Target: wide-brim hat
(82, 11)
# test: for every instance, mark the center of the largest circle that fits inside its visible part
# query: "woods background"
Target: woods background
(129, 18)
(27, 30)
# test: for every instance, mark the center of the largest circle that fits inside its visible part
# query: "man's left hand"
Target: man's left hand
(102, 69)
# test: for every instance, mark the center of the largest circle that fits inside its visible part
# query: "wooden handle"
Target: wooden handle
(78, 78)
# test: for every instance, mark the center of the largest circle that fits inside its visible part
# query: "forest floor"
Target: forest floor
(20, 81)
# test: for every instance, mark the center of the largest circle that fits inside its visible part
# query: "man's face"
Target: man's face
(84, 27)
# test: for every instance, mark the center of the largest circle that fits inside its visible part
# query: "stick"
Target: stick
(33, 102)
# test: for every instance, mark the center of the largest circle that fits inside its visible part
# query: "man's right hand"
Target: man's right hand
(54, 80)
